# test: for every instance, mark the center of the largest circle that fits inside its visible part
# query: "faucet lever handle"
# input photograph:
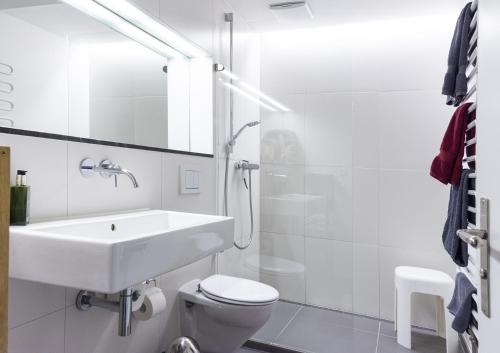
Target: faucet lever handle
(116, 180)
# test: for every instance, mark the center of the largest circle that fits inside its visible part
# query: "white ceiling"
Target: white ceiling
(334, 12)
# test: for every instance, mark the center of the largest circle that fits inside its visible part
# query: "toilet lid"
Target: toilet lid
(239, 291)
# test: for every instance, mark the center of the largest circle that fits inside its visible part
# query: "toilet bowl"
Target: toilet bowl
(222, 312)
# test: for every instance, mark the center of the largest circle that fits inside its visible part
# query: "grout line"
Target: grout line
(36, 319)
(378, 336)
(334, 310)
(65, 324)
(287, 324)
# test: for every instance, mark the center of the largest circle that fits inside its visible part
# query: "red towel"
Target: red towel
(447, 166)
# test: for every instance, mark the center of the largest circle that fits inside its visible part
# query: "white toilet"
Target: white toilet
(221, 312)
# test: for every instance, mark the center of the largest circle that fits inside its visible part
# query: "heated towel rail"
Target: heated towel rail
(476, 236)
(6, 90)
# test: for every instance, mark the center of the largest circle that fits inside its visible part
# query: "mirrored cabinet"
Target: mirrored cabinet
(82, 69)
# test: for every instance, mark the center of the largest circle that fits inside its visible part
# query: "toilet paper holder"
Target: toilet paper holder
(85, 300)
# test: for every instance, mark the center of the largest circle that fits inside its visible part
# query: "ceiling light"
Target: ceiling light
(118, 21)
(158, 30)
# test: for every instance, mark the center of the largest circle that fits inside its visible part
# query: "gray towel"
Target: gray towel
(457, 219)
(461, 304)
(455, 80)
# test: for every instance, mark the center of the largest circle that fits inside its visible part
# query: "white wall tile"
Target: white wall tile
(366, 130)
(412, 125)
(45, 335)
(388, 60)
(282, 199)
(29, 301)
(282, 264)
(242, 263)
(279, 65)
(97, 194)
(329, 273)
(413, 209)
(329, 53)
(365, 203)
(282, 133)
(96, 331)
(205, 201)
(328, 129)
(328, 202)
(46, 163)
(366, 299)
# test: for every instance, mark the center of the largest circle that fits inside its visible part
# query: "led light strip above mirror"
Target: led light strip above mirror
(139, 26)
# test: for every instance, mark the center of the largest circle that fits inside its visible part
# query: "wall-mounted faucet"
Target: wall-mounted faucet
(106, 169)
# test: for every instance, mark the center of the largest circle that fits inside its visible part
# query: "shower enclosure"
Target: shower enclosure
(343, 194)
(345, 191)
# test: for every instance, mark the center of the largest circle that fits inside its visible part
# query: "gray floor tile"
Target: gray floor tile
(421, 343)
(387, 329)
(247, 350)
(282, 314)
(321, 333)
(316, 316)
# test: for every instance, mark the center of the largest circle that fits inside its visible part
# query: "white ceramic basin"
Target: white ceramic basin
(110, 253)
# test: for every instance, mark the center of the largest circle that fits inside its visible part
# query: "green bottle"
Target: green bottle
(20, 201)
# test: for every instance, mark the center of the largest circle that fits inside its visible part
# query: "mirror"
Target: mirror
(66, 73)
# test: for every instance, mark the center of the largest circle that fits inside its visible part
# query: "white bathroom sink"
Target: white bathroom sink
(110, 253)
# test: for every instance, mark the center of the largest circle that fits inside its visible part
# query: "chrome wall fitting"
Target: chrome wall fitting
(85, 300)
(219, 67)
(106, 169)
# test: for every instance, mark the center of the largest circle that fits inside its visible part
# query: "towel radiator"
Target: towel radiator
(476, 234)
(6, 89)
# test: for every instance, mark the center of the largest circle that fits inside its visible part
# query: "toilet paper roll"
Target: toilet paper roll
(154, 303)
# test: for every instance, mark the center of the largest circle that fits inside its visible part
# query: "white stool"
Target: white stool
(421, 280)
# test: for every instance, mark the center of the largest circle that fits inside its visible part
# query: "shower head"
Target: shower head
(253, 123)
(232, 141)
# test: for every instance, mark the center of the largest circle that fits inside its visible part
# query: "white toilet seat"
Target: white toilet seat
(238, 291)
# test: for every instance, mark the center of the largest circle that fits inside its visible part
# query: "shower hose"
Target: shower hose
(226, 177)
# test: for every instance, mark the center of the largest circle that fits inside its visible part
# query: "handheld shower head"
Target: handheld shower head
(232, 141)
(253, 123)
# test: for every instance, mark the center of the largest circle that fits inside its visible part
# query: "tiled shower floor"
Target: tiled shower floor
(314, 330)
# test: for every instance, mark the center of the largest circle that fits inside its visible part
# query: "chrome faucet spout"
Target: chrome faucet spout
(130, 176)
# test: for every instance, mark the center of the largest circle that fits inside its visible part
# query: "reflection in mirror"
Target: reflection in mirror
(73, 75)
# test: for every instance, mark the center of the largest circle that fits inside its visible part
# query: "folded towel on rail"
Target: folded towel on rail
(457, 219)
(447, 166)
(455, 80)
(461, 304)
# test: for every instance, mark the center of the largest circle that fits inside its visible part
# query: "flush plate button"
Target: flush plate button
(190, 178)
